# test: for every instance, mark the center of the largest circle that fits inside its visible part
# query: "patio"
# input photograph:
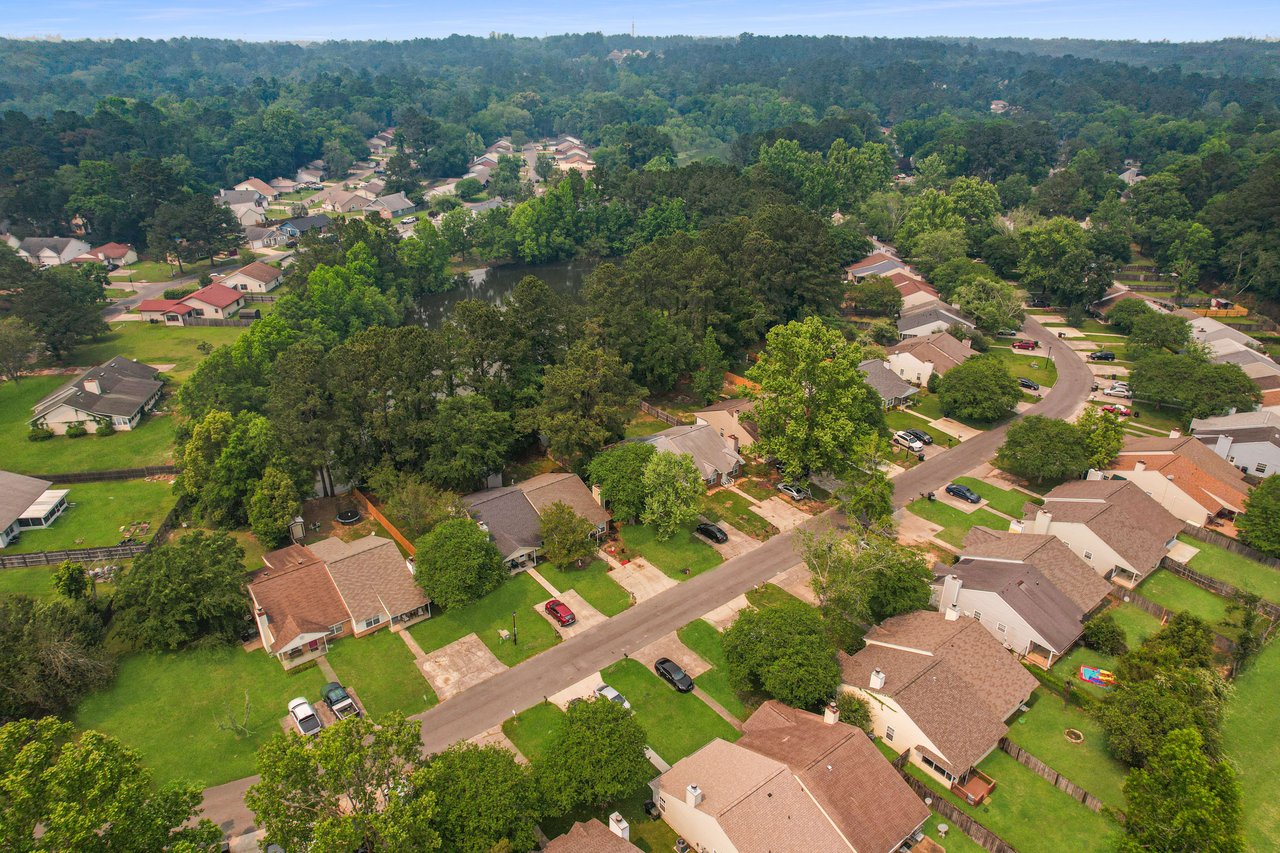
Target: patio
(974, 788)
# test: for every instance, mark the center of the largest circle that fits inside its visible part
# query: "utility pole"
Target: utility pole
(515, 635)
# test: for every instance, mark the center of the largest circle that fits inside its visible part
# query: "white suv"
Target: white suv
(909, 441)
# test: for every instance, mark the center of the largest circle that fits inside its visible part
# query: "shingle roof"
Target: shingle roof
(701, 441)
(887, 384)
(124, 387)
(1075, 578)
(370, 575)
(304, 224)
(395, 201)
(258, 271)
(512, 521)
(1028, 592)
(217, 295)
(931, 312)
(35, 245)
(233, 197)
(1119, 513)
(260, 186)
(876, 263)
(1201, 474)
(16, 494)
(939, 349)
(589, 836)
(546, 489)
(298, 595)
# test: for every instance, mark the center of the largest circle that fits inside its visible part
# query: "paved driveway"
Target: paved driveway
(781, 513)
(459, 666)
(669, 646)
(587, 616)
(739, 543)
(641, 579)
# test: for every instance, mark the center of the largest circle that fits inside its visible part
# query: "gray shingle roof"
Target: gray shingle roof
(1032, 596)
(886, 383)
(16, 494)
(125, 385)
(701, 441)
(932, 312)
(512, 521)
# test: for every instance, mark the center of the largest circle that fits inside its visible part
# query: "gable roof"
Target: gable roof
(886, 383)
(392, 202)
(58, 245)
(370, 575)
(217, 295)
(589, 836)
(1119, 513)
(237, 197)
(546, 489)
(930, 312)
(258, 185)
(701, 441)
(17, 493)
(939, 349)
(510, 518)
(876, 263)
(124, 385)
(303, 224)
(1071, 575)
(109, 251)
(1027, 591)
(258, 232)
(297, 595)
(258, 271)
(169, 306)
(1201, 474)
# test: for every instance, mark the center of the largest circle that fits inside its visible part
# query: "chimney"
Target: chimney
(92, 386)
(595, 493)
(1175, 433)
(877, 679)
(618, 826)
(951, 613)
(950, 593)
(1139, 466)
(733, 439)
(693, 796)
(1043, 519)
(831, 714)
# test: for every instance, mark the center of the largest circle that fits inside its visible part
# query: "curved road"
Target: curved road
(492, 701)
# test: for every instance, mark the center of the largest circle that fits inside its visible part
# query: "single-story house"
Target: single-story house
(592, 836)
(1206, 330)
(27, 503)
(725, 418)
(1227, 351)
(1184, 476)
(257, 185)
(308, 595)
(475, 208)
(716, 458)
(1248, 440)
(391, 206)
(941, 687)
(374, 187)
(48, 251)
(1113, 525)
(248, 206)
(213, 301)
(283, 185)
(881, 262)
(1117, 292)
(795, 782)
(120, 254)
(916, 359)
(256, 277)
(299, 225)
(486, 159)
(930, 317)
(914, 291)
(577, 160)
(893, 391)
(512, 515)
(263, 237)
(343, 201)
(121, 391)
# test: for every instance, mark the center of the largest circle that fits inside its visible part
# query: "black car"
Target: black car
(1102, 355)
(712, 532)
(670, 672)
(1028, 384)
(964, 493)
(921, 436)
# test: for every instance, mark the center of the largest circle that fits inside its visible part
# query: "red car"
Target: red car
(560, 612)
(1026, 344)
(1118, 410)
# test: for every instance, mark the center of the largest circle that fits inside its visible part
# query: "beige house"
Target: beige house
(27, 503)
(248, 206)
(592, 836)
(725, 418)
(257, 277)
(930, 317)
(213, 301)
(1183, 475)
(269, 192)
(120, 254)
(120, 391)
(914, 360)
(47, 251)
(716, 458)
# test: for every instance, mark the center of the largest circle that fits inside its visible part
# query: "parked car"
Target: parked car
(796, 493)
(712, 532)
(304, 716)
(1026, 345)
(670, 672)
(560, 612)
(1117, 409)
(964, 493)
(339, 701)
(1007, 333)
(1102, 355)
(1118, 391)
(1028, 384)
(409, 220)
(921, 436)
(604, 691)
(907, 440)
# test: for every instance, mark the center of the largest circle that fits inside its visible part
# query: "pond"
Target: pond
(494, 284)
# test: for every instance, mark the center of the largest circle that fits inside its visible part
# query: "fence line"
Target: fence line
(109, 552)
(115, 474)
(214, 321)
(1044, 771)
(655, 412)
(1213, 537)
(1221, 643)
(1217, 587)
(368, 506)
(984, 837)
(259, 297)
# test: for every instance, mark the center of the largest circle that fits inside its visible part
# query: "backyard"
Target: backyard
(1248, 733)
(676, 724)
(729, 506)
(36, 582)
(1089, 764)
(1235, 569)
(955, 523)
(172, 708)
(705, 641)
(1008, 501)
(493, 613)
(156, 343)
(1137, 625)
(383, 673)
(680, 557)
(1171, 591)
(592, 582)
(99, 514)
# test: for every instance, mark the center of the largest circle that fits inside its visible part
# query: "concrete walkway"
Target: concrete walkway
(717, 707)
(543, 582)
(327, 668)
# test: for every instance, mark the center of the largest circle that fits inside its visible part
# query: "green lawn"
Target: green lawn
(150, 444)
(168, 706)
(160, 271)
(156, 343)
(705, 641)
(100, 511)
(758, 489)
(1067, 668)
(382, 671)
(1008, 501)
(642, 425)
(1029, 813)
(927, 406)
(1173, 592)
(676, 724)
(680, 557)
(1038, 367)
(1137, 624)
(955, 523)
(593, 583)
(898, 419)
(1235, 569)
(955, 841)
(1089, 764)
(490, 614)
(36, 582)
(769, 595)
(651, 836)
(1089, 325)
(1249, 739)
(726, 505)
(535, 730)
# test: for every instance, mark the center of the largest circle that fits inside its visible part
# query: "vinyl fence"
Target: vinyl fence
(1044, 771)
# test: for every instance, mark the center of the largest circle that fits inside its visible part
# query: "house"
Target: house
(343, 201)
(268, 192)
(213, 301)
(27, 503)
(475, 208)
(248, 206)
(916, 359)
(377, 144)
(307, 595)
(1183, 475)
(725, 418)
(941, 687)
(374, 187)
(119, 254)
(1248, 440)
(795, 782)
(257, 277)
(716, 458)
(512, 514)
(930, 317)
(121, 391)
(391, 206)
(284, 185)
(1206, 330)
(914, 291)
(893, 391)
(1225, 351)
(1113, 525)
(1117, 292)
(48, 251)
(999, 107)
(592, 836)
(1132, 176)
(881, 262)
(299, 225)
(577, 160)
(260, 237)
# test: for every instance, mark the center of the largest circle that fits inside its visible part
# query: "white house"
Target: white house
(120, 254)
(120, 391)
(27, 503)
(1248, 440)
(248, 206)
(930, 317)
(256, 277)
(48, 251)
(916, 359)
(213, 301)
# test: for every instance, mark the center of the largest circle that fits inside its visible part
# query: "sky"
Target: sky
(312, 20)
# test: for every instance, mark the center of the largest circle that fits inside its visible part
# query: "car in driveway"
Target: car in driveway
(409, 220)
(560, 612)
(1024, 344)
(604, 691)
(907, 440)
(1028, 384)
(796, 493)
(1102, 355)
(670, 672)
(1119, 391)
(712, 532)
(304, 716)
(964, 493)
(339, 701)
(1116, 409)
(920, 435)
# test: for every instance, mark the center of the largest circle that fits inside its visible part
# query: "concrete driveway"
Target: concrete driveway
(587, 616)
(726, 614)
(739, 543)
(669, 646)
(460, 665)
(583, 689)
(640, 578)
(781, 513)
(798, 581)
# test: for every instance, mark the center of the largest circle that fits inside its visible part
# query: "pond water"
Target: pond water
(494, 284)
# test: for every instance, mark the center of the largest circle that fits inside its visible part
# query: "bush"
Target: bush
(178, 292)
(76, 430)
(1102, 634)
(39, 434)
(104, 428)
(932, 385)
(854, 710)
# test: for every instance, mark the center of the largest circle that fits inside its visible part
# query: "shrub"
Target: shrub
(1102, 634)
(76, 430)
(854, 710)
(104, 428)
(178, 292)
(932, 385)
(39, 434)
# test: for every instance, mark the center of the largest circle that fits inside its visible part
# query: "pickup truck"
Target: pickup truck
(339, 701)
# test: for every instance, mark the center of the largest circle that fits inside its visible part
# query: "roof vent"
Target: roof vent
(877, 679)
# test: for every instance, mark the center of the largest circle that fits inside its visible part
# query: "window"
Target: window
(1088, 555)
(888, 733)
(369, 623)
(1001, 627)
(335, 630)
(937, 768)
(1260, 468)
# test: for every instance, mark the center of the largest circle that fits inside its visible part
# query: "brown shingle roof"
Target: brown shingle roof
(939, 349)
(1119, 513)
(258, 271)
(371, 576)
(1076, 579)
(590, 836)
(1056, 618)
(547, 489)
(298, 595)
(1203, 475)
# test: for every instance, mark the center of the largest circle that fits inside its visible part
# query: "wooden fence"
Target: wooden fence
(367, 504)
(1217, 587)
(116, 474)
(1044, 771)
(259, 297)
(655, 412)
(110, 552)
(958, 819)
(1220, 643)
(1213, 537)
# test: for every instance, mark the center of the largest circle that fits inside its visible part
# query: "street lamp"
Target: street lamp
(515, 635)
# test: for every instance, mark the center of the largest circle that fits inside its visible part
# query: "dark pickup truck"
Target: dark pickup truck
(339, 701)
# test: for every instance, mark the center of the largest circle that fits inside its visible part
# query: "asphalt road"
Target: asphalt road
(494, 700)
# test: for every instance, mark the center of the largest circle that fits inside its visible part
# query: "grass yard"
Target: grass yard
(382, 671)
(732, 507)
(36, 582)
(1173, 592)
(1089, 764)
(680, 557)
(156, 343)
(1089, 325)
(1008, 501)
(1235, 569)
(769, 595)
(1249, 739)
(652, 836)
(758, 489)
(593, 583)
(955, 523)
(1138, 624)
(535, 730)
(160, 271)
(927, 406)
(677, 724)
(1038, 367)
(490, 614)
(705, 641)
(642, 425)
(99, 511)
(897, 419)
(150, 444)
(955, 841)
(1029, 813)
(168, 706)
(1067, 668)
